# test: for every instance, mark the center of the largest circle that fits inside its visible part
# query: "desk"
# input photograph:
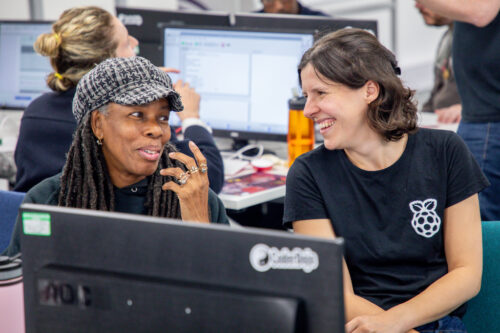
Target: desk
(235, 197)
(429, 120)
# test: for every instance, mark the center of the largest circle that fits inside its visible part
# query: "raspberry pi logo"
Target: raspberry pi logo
(426, 221)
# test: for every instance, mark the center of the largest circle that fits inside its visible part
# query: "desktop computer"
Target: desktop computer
(93, 271)
(146, 25)
(244, 76)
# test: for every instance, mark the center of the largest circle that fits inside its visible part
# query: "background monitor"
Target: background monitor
(319, 24)
(245, 77)
(91, 271)
(146, 24)
(23, 71)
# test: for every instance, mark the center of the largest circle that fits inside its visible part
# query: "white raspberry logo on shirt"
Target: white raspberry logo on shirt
(425, 220)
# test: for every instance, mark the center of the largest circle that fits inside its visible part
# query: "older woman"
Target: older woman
(404, 199)
(120, 159)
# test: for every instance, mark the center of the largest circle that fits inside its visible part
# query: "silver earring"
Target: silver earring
(99, 142)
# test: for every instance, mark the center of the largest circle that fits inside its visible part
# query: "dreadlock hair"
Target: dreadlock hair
(85, 182)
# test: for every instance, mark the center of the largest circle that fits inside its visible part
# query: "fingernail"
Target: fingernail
(171, 154)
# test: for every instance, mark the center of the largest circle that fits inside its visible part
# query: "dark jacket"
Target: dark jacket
(45, 135)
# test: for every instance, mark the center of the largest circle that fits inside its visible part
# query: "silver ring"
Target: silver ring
(182, 179)
(203, 167)
(193, 170)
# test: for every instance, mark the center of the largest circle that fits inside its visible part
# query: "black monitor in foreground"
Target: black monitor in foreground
(319, 24)
(90, 271)
(23, 71)
(146, 24)
(244, 77)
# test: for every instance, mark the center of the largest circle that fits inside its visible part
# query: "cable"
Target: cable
(239, 153)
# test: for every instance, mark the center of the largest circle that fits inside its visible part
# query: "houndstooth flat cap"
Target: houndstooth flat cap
(125, 81)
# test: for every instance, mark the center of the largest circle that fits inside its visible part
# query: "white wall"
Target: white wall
(14, 10)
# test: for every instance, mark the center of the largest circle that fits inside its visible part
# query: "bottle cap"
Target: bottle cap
(297, 103)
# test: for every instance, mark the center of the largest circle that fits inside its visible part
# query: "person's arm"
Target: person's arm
(463, 249)
(450, 114)
(477, 12)
(206, 143)
(196, 130)
(355, 305)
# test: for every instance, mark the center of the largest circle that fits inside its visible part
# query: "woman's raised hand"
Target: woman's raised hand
(191, 186)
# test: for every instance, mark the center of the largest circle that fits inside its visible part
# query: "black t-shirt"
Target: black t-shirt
(391, 219)
(476, 62)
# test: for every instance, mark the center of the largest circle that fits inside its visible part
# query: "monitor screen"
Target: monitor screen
(91, 271)
(244, 77)
(23, 71)
(319, 24)
(146, 24)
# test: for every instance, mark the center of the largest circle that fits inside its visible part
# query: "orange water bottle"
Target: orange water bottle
(300, 130)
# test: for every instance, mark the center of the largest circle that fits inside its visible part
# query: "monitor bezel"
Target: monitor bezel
(270, 20)
(149, 32)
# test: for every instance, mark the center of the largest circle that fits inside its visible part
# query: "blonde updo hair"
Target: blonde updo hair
(81, 38)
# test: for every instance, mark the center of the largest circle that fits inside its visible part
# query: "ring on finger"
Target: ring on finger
(193, 170)
(183, 178)
(203, 167)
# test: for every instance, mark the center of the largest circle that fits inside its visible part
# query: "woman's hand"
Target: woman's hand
(379, 323)
(192, 186)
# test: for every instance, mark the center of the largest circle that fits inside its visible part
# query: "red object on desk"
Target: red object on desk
(261, 165)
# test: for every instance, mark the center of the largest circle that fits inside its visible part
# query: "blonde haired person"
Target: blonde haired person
(80, 39)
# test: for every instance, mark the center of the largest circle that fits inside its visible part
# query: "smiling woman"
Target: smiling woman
(132, 139)
(120, 158)
(399, 195)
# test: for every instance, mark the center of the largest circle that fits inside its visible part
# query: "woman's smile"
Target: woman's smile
(150, 153)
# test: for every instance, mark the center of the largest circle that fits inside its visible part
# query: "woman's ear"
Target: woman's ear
(372, 90)
(96, 123)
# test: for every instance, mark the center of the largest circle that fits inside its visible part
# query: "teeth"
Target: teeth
(326, 124)
(149, 151)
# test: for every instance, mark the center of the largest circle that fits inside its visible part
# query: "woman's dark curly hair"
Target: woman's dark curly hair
(353, 57)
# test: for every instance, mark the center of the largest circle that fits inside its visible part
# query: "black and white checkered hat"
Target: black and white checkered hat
(125, 81)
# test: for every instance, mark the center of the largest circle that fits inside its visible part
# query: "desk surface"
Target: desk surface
(251, 188)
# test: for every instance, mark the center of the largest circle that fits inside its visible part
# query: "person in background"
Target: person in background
(404, 198)
(120, 158)
(444, 99)
(287, 7)
(476, 64)
(81, 38)
(196, 130)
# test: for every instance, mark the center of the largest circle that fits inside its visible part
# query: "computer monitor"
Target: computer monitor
(245, 77)
(319, 24)
(91, 271)
(23, 71)
(146, 24)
